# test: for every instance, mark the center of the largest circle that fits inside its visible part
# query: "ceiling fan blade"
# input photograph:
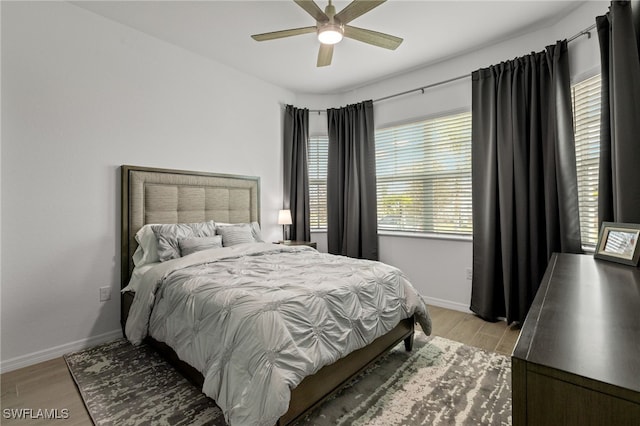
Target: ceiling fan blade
(357, 8)
(284, 33)
(324, 55)
(313, 10)
(372, 37)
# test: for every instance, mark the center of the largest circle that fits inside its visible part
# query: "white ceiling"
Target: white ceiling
(432, 31)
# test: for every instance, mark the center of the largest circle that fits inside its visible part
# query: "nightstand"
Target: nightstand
(311, 244)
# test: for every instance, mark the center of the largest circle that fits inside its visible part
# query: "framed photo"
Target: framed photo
(618, 242)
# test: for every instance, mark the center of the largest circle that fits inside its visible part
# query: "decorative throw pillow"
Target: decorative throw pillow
(237, 234)
(192, 245)
(168, 236)
(255, 229)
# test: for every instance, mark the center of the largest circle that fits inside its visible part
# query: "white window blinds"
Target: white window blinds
(318, 153)
(424, 176)
(586, 119)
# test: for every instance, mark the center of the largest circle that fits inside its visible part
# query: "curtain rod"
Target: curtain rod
(586, 31)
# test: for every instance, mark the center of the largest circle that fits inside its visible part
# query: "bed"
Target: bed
(164, 196)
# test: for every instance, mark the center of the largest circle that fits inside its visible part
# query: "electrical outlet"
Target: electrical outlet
(105, 294)
(469, 273)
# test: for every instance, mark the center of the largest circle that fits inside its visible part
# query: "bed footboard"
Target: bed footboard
(315, 389)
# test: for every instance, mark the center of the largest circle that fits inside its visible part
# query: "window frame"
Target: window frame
(416, 121)
(581, 78)
(311, 182)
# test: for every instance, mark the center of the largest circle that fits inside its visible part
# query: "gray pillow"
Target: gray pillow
(169, 235)
(192, 245)
(255, 229)
(237, 234)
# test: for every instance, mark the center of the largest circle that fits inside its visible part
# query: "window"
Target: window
(317, 161)
(424, 176)
(424, 171)
(586, 118)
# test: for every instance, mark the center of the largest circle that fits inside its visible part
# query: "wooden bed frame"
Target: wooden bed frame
(226, 198)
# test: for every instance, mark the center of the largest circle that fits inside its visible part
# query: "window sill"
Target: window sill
(589, 249)
(430, 236)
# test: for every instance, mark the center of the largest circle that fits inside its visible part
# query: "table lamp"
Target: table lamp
(284, 219)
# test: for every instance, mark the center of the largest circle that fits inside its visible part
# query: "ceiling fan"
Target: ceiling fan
(332, 27)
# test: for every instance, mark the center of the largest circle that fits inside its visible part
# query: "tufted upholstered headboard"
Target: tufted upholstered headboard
(151, 195)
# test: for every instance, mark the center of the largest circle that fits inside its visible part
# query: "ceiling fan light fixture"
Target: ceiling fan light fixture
(330, 34)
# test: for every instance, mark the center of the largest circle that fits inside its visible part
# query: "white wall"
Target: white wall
(81, 96)
(437, 267)
(0, 184)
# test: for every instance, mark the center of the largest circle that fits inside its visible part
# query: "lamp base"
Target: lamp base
(285, 233)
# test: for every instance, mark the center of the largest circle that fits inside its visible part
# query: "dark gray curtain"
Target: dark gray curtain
(352, 217)
(619, 180)
(296, 176)
(525, 197)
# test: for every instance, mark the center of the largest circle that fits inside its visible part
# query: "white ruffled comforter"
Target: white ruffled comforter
(255, 319)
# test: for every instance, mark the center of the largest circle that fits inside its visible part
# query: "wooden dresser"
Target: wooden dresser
(577, 361)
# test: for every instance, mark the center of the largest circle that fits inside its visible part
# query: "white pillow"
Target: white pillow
(136, 276)
(147, 251)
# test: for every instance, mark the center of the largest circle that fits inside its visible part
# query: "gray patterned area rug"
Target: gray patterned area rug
(440, 382)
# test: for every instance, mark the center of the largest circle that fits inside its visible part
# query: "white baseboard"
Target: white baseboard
(456, 306)
(57, 351)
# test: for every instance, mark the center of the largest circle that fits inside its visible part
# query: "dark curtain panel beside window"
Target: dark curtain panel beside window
(352, 225)
(619, 180)
(296, 177)
(525, 196)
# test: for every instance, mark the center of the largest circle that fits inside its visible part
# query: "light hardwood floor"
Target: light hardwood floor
(49, 385)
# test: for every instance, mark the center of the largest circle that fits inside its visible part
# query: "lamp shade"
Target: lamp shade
(284, 217)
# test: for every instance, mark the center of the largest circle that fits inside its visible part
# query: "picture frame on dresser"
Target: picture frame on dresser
(618, 242)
